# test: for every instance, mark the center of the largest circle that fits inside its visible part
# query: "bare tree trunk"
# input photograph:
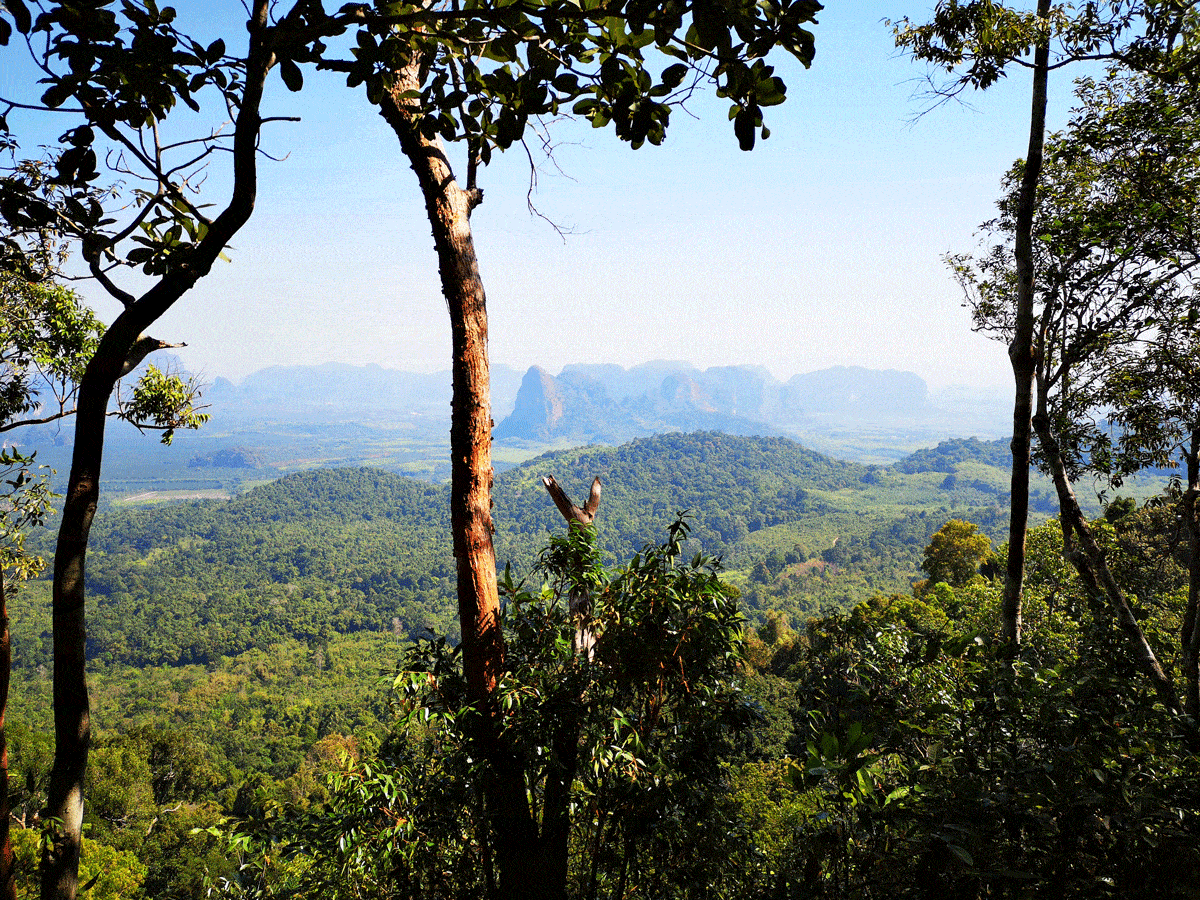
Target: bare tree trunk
(556, 818)
(1021, 350)
(8, 877)
(72, 714)
(580, 603)
(1092, 566)
(1189, 639)
(514, 832)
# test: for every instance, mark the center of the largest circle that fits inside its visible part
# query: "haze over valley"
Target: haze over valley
(284, 419)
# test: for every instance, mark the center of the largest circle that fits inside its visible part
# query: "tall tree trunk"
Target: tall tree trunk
(8, 877)
(1021, 350)
(1089, 560)
(514, 832)
(72, 714)
(1189, 638)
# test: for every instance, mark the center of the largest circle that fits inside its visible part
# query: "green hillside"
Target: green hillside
(346, 551)
(241, 646)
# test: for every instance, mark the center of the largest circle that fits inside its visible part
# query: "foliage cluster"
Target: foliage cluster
(352, 550)
(621, 749)
(939, 763)
(893, 750)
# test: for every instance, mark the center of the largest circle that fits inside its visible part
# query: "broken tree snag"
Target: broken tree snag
(572, 513)
(578, 601)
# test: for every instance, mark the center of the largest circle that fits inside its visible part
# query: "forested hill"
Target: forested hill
(731, 486)
(345, 550)
(949, 455)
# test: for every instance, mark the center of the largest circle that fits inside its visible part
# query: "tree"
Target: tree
(47, 338)
(977, 41)
(25, 504)
(1150, 386)
(111, 79)
(629, 806)
(478, 73)
(1153, 394)
(1115, 244)
(954, 553)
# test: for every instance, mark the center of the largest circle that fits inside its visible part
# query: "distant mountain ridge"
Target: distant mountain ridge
(369, 390)
(607, 403)
(288, 418)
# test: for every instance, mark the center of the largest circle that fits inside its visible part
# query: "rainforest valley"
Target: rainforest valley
(637, 638)
(253, 665)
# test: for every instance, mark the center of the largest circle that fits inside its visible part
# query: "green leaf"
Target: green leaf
(673, 75)
(566, 83)
(743, 127)
(292, 76)
(20, 14)
(962, 854)
(56, 95)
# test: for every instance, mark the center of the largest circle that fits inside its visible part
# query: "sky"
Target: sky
(823, 246)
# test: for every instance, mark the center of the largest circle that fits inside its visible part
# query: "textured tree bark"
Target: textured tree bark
(72, 714)
(1021, 350)
(449, 209)
(448, 206)
(1089, 561)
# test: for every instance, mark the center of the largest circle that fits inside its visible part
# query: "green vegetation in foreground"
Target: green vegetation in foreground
(243, 650)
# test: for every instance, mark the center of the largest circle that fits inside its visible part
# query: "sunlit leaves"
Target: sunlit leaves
(500, 65)
(976, 41)
(642, 726)
(47, 338)
(163, 402)
(25, 502)
(1115, 248)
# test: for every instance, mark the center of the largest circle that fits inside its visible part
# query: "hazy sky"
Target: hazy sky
(821, 247)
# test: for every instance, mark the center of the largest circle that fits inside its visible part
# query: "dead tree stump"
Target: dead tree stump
(579, 601)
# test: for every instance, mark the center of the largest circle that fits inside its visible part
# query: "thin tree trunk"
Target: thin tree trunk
(564, 763)
(1189, 638)
(514, 832)
(1092, 566)
(556, 801)
(1021, 350)
(8, 877)
(579, 600)
(72, 714)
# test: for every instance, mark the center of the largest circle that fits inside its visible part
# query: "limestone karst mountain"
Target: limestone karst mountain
(608, 403)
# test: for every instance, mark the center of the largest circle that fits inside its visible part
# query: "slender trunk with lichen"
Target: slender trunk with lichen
(514, 832)
(1021, 350)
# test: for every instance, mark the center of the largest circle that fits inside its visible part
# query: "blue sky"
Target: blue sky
(821, 247)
